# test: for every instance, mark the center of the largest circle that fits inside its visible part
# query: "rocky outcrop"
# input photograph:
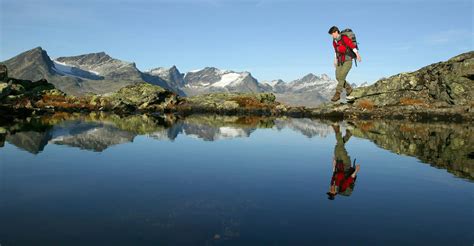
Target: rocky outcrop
(231, 103)
(443, 84)
(3, 72)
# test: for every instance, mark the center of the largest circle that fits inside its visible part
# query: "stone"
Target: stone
(4, 90)
(229, 105)
(3, 72)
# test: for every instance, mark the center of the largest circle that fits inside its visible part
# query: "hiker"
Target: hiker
(344, 175)
(345, 50)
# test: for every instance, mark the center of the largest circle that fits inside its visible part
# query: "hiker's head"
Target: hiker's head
(334, 31)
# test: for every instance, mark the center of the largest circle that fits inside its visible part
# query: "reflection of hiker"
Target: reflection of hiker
(345, 48)
(344, 175)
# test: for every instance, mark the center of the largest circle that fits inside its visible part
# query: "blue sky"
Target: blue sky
(270, 39)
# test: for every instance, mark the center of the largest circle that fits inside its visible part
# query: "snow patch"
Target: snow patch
(227, 79)
(66, 69)
(195, 70)
(230, 132)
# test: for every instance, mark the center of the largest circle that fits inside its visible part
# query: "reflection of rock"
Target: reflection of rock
(3, 134)
(447, 146)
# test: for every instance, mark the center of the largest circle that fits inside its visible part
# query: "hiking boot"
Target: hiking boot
(336, 96)
(348, 89)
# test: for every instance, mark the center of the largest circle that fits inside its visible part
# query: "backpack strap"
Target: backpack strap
(348, 49)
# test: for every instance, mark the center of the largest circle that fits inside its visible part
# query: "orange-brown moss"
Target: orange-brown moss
(365, 104)
(64, 102)
(248, 102)
(412, 101)
(365, 126)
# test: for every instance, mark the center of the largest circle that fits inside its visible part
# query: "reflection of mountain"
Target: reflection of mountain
(31, 135)
(89, 135)
(446, 146)
(94, 132)
(307, 127)
(168, 133)
(31, 141)
(210, 133)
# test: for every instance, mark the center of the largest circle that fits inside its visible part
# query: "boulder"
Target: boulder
(3, 72)
(4, 90)
(141, 96)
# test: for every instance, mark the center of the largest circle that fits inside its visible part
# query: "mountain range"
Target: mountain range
(99, 73)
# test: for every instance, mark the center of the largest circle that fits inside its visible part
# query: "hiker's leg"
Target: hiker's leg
(347, 136)
(340, 151)
(340, 83)
(340, 77)
(345, 68)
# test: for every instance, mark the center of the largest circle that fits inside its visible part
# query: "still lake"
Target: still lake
(99, 179)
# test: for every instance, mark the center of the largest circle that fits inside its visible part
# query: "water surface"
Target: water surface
(103, 179)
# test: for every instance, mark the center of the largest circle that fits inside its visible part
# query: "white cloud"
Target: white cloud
(450, 36)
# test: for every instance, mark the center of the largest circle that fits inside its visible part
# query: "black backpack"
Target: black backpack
(350, 34)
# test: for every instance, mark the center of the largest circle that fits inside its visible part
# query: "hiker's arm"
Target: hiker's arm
(354, 174)
(359, 59)
(351, 45)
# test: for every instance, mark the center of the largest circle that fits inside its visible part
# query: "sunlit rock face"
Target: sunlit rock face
(439, 84)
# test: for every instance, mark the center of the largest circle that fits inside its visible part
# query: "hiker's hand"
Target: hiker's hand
(359, 59)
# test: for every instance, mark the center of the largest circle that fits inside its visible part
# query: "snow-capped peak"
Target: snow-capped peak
(273, 82)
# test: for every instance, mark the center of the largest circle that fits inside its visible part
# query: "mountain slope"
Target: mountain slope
(310, 90)
(168, 78)
(76, 75)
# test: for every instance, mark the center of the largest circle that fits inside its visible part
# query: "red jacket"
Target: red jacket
(340, 46)
(339, 179)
